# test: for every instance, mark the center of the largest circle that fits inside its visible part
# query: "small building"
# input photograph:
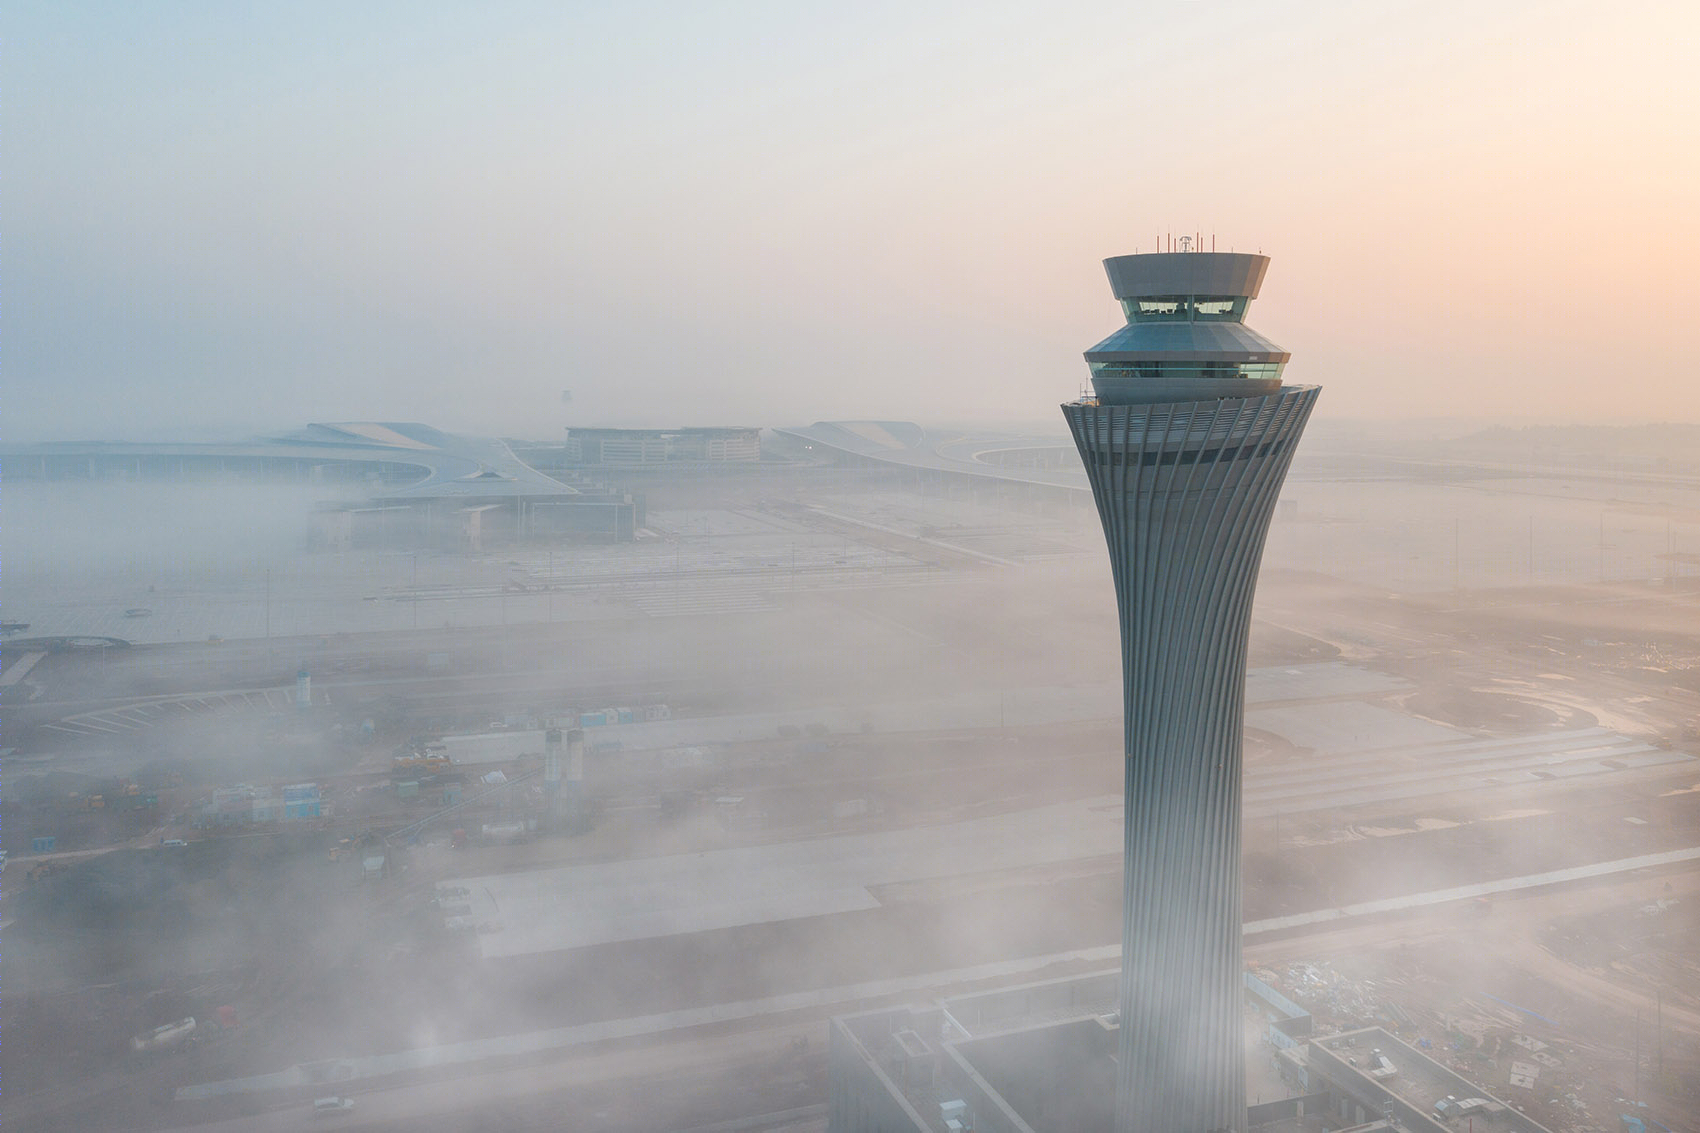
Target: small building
(301, 800)
(1348, 1065)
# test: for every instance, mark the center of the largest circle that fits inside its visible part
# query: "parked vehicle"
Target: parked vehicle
(164, 1036)
(427, 762)
(332, 1107)
(1449, 1107)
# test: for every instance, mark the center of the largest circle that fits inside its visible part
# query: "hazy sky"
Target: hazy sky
(225, 217)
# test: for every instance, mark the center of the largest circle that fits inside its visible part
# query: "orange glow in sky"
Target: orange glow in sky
(231, 217)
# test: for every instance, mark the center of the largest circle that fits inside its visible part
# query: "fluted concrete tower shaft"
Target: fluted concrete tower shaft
(1186, 445)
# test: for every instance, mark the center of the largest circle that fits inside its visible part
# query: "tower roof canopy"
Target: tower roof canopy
(1186, 273)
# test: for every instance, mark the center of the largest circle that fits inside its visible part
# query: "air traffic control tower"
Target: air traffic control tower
(1186, 443)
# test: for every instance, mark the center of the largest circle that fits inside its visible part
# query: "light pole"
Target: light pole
(1457, 559)
(1602, 545)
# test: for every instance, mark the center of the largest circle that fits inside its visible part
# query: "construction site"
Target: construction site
(634, 835)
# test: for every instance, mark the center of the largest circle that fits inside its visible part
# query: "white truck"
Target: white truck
(164, 1037)
(332, 1107)
(1451, 1108)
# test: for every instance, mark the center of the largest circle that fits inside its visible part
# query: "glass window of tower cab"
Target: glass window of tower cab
(1185, 337)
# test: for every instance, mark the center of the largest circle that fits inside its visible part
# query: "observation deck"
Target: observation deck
(1185, 337)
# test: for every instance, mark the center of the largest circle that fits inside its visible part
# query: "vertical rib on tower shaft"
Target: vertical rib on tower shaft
(1185, 487)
